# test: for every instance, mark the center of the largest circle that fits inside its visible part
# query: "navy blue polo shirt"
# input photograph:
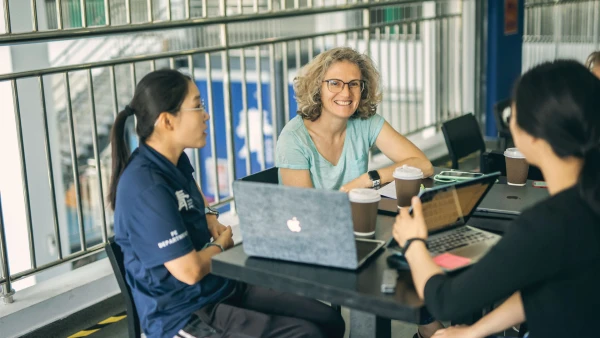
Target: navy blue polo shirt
(159, 216)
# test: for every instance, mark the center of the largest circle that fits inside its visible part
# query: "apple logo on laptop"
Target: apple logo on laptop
(294, 225)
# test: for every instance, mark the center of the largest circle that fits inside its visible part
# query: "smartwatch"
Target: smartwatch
(375, 178)
(211, 211)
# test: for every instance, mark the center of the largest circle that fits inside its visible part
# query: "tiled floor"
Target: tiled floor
(119, 329)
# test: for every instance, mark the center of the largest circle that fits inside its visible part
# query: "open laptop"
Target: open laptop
(300, 225)
(511, 200)
(447, 209)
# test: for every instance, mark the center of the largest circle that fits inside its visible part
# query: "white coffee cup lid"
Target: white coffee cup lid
(513, 153)
(363, 195)
(407, 172)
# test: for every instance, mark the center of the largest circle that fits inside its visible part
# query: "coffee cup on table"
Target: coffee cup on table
(364, 204)
(408, 184)
(516, 167)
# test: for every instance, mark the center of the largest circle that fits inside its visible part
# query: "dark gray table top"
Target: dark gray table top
(359, 290)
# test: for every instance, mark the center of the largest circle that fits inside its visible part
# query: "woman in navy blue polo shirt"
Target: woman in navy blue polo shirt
(164, 227)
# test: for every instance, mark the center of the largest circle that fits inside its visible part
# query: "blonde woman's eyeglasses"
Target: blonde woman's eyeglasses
(336, 85)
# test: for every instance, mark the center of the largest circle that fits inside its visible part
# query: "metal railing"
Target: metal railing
(560, 29)
(245, 78)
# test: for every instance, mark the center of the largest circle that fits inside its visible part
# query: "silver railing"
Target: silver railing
(560, 29)
(244, 64)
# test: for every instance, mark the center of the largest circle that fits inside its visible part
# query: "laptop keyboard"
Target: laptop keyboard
(457, 238)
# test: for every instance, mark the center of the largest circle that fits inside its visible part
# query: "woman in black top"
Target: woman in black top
(548, 263)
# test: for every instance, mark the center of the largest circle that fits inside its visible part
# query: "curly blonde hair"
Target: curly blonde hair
(308, 84)
(593, 60)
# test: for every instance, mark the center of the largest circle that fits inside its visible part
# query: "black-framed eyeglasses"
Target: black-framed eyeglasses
(336, 85)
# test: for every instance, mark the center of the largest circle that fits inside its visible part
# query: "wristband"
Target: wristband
(409, 242)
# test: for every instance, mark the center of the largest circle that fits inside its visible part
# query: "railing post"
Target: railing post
(6, 292)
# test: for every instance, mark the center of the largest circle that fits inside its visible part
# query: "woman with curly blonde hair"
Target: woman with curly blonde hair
(327, 144)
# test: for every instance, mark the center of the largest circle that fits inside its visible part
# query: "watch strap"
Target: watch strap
(213, 244)
(211, 211)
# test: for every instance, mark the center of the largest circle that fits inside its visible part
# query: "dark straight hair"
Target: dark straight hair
(559, 102)
(159, 91)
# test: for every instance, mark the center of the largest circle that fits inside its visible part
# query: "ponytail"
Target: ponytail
(120, 153)
(589, 184)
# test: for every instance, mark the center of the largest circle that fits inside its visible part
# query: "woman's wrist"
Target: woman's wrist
(366, 181)
(413, 250)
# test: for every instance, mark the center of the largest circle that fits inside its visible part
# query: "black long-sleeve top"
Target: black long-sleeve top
(551, 253)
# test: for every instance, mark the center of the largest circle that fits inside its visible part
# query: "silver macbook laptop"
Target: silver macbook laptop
(511, 200)
(453, 243)
(300, 225)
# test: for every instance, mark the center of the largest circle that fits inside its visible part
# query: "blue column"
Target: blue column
(504, 54)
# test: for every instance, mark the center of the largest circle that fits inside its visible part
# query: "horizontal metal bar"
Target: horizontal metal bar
(556, 3)
(140, 58)
(223, 202)
(26, 273)
(53, 35)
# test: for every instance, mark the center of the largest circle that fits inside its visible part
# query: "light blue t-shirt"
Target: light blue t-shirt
(296, 150)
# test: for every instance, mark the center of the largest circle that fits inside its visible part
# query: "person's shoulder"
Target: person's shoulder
(293, 127)
(138, 177)
(294, 132)
(558, 210)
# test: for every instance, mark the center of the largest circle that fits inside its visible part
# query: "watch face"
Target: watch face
(374, 175)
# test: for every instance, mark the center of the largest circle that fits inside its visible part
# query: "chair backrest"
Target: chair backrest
(115, 256)
(494, 161)
(463, 137)
(502, 114)
(270, 175)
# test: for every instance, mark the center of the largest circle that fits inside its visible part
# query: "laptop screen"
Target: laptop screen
(449, 206)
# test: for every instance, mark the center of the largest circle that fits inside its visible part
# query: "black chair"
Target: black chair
(494, 161)
(502, 112)
(270, 175)
(115, 256)
(463, 137)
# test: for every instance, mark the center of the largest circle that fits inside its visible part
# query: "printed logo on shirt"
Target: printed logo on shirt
(175, 237)
(184, 200)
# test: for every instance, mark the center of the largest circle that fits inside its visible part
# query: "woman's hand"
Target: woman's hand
(361, 181)
(225, 239)
(216, 229)
(407, 226)
(459, 331)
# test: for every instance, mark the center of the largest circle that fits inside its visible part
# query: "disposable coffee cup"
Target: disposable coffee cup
(516, 167)
(364, 211)
(408, 184)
